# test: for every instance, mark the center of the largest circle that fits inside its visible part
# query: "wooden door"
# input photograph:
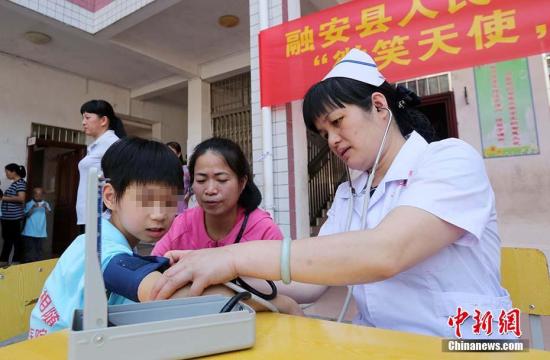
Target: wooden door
(441, 111)
(66, 184)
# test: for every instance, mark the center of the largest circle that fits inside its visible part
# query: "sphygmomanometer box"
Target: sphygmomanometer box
(169, 329)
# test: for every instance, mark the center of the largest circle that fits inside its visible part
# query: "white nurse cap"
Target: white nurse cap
(357, 65)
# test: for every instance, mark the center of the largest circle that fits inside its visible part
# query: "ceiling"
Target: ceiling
(166, 42)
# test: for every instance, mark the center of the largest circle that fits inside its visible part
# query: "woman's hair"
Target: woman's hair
(18, 169)
(333, 93)
(250, 197)
(103, 108)
(133, 160)
(176, 146)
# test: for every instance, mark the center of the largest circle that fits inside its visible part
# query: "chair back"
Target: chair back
(20, 287)
(525, 275)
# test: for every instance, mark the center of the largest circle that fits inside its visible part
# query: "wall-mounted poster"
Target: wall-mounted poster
(506, 112)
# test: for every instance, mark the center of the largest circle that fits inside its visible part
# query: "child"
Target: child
(34, 232)
(141, 194)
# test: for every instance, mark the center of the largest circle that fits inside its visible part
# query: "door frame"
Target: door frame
(46, 143)
(448, 100)
(81, 150)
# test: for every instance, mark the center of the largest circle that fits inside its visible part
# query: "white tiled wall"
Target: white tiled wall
(280, 150)
(61, 10)
(116, 11)
(83, 19)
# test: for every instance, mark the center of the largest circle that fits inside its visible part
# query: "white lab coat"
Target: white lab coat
(96, 150)
(448, 179)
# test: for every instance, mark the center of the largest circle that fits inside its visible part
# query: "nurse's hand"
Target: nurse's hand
(201, 268)
(175, 255)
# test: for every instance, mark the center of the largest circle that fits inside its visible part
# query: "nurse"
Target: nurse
(420, 237)
(104, 128)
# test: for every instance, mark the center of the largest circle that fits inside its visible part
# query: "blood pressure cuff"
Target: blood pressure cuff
(125, 272)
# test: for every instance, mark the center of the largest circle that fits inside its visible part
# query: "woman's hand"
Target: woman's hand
(201, 268)
(175, 255)
(287, 305)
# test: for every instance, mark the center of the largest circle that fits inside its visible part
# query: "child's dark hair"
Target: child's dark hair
(133, 160)
(103, 108)
(176, 146)
(333, 93)
(234, 157)
(18, 169)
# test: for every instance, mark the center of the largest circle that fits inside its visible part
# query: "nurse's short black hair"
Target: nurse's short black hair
(333, 93)
(233, 155)
(138, 161)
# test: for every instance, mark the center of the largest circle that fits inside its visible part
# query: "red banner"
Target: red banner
(407, 39)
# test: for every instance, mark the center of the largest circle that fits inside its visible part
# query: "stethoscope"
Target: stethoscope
(367, 193)
(241, 287)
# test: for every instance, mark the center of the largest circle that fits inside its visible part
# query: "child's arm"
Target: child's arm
(30, 208)
(125, 272)
(134, 276)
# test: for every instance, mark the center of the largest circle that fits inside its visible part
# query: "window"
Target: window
(230, 102)
(429, 85)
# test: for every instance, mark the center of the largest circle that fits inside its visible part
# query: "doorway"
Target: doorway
(440, 109)
(53, 165)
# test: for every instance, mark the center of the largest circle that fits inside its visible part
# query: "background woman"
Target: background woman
(176, 148)
(104, 127)
(228, 202)
(228, 210)
(13, 213)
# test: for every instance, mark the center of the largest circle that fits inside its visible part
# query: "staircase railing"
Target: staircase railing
(326, 171)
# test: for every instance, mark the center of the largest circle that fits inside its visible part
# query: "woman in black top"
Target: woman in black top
(13, 203)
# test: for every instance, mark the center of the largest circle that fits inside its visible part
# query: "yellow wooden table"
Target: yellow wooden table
(289, 337)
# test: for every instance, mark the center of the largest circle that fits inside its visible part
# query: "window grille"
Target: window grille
(54, 133)
(230, 105)
(429, 85)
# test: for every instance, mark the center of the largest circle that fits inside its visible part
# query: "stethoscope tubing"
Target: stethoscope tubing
(366, 201)
(254, 297)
